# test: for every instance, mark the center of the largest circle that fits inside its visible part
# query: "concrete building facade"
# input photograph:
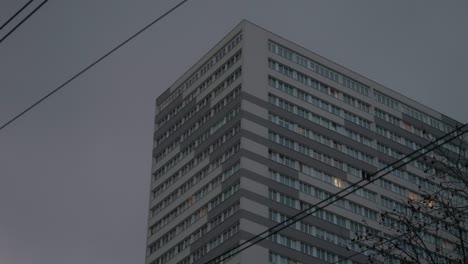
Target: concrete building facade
(260, 128)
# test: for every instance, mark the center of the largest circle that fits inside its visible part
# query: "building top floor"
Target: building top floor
(254, 40)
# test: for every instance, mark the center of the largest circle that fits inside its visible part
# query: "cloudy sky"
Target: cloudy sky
(74, 173)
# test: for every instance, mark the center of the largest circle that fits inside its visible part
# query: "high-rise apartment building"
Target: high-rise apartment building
(260, 128)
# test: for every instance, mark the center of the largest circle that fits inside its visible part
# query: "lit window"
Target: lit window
(412, 196)
(338, 182)
(431, 204)
(406, 126)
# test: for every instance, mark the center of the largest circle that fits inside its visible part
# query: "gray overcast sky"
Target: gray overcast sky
(75, 172)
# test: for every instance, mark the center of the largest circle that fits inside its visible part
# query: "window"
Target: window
(412, 196)
(392, 103)
(278, 259)
(431, 203)
(303, 247)
(338, 183)
(318, 68)
(203, 69)
(318, 120)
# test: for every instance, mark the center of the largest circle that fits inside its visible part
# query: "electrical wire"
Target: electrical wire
(379, 244)
(17, 13)
(370, 179)
(383, 243)
(92, 64)
(22, 21)
(286, 223)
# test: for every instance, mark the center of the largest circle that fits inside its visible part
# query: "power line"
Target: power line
(22, 21)
(93, 64)
(370, 179)
(390, 240)
(17, 13)
(291, 220)
(382, 243)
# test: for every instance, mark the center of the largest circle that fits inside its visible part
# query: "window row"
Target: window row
(203, 102)
(298, 76)
(411, 128)
(392, 205)
(423, 184)
(310, 152)
(210, 131)
(388, 117)
(292, 126)
(201, 174)
(220, 259)
(346, 204)
(317, 119)
(199, 233)
(397, 138)
(396, 188)
(304, 248)
(233, 43)
(412, 195)
(211, 79)
(399, 123)
(219, 125)
(364, 193)
(228, 192)
(233, 60)
(309, 229)
(303, 61)
(299, 166)
(319, 156)
(199, 106)
(301, 94)
(330, 217)
(322, 104)
(356, 103)
(228, 233)
(400, 173)
(306, 114)
(197, 142)
(187, 222)
(278, 259)
(317, 192)
(216, 108)
(185, 187)
(203, 69)
(194, 144)
(356, 86)
(389, 151)
(318, 68)
(213, 243)
(399, 106)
